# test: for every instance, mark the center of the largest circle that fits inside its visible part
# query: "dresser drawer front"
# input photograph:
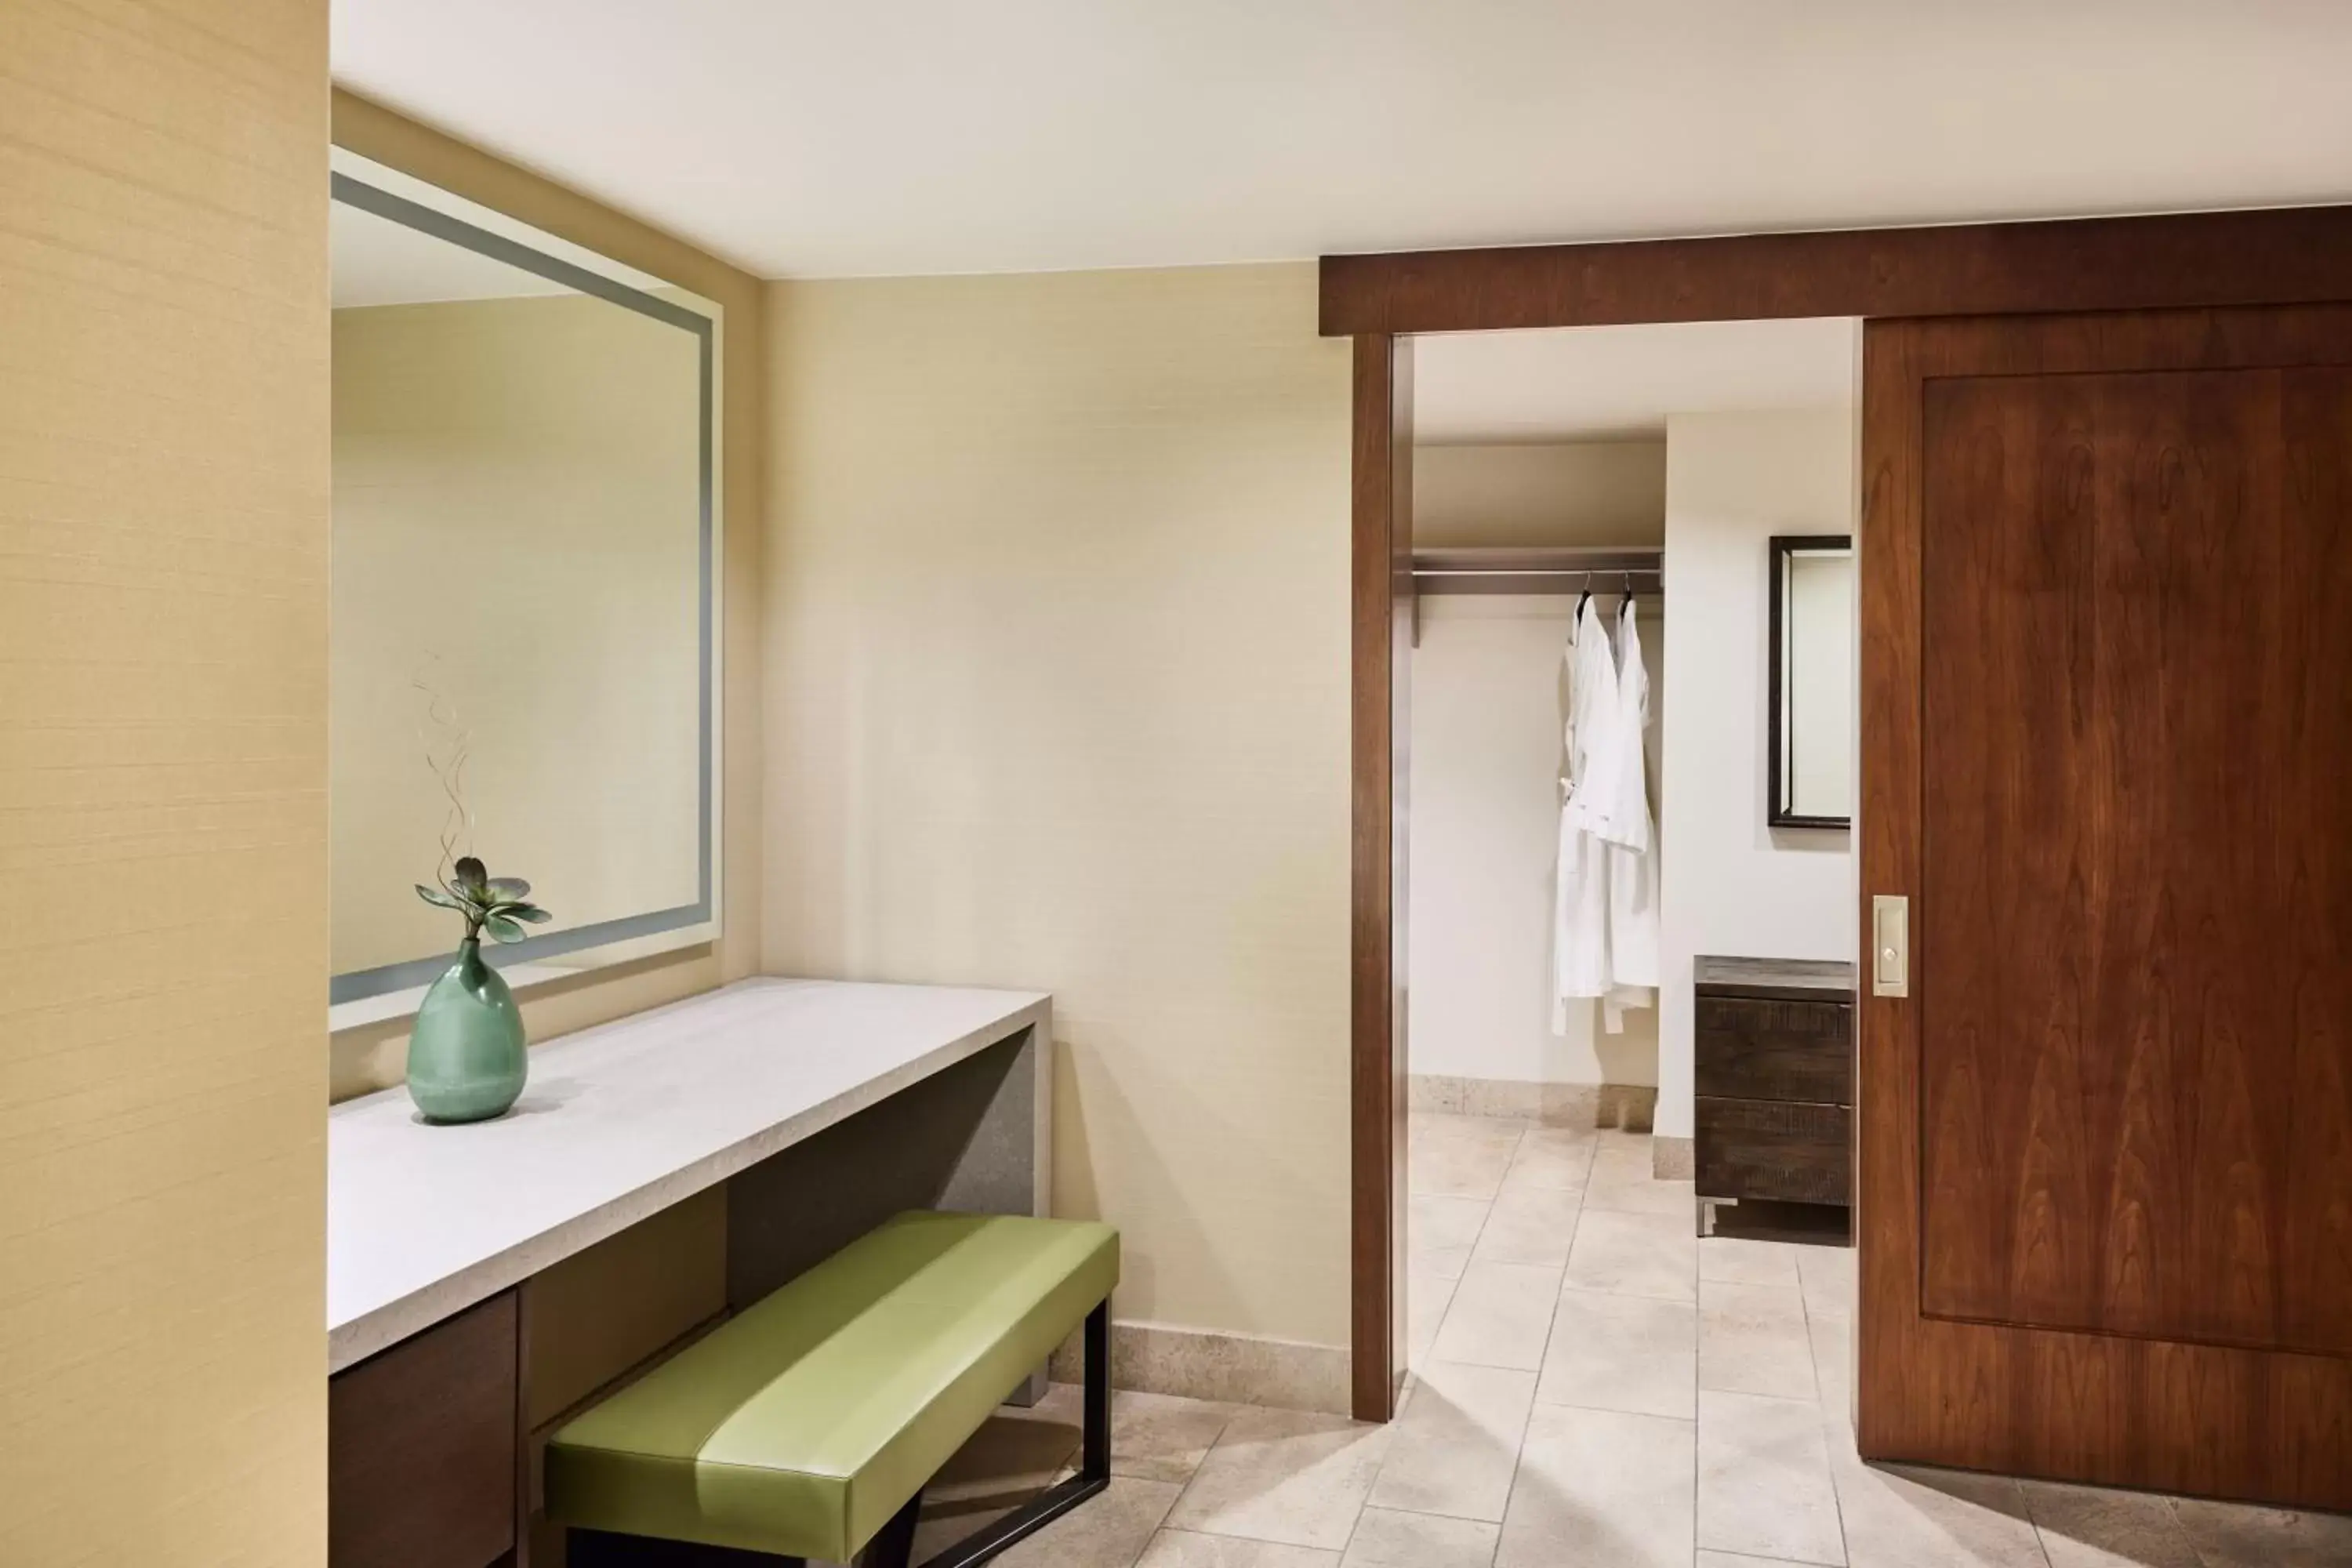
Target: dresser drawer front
(1773, 1149)
(1749, 1049)
(422, 1449)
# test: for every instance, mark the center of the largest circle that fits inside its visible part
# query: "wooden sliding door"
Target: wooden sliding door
(2106, 1139)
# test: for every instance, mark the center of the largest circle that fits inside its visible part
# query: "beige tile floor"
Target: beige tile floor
(1593, 1387)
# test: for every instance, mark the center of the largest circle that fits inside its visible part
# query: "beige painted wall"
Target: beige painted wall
(1536, 493)
(1057, 696)
(163, 783)
(518, 526)
(370, 1057)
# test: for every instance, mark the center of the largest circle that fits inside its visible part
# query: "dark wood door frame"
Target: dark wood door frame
(1381, 556)
(2280, 255)
(2275, 256)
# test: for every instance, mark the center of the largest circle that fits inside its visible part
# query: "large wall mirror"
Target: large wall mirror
(523, 633)
(1811, 706)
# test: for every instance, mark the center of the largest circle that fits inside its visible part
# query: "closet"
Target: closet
(1492, 721)
(1592, 603)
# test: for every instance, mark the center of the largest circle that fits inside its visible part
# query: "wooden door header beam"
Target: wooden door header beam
(2271, 256)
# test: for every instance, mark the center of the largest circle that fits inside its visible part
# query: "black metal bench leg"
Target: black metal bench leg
(1094, 1462)
(894, 1545)
(1094, 1444)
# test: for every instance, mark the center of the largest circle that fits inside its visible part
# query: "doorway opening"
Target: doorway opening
(1611, 497)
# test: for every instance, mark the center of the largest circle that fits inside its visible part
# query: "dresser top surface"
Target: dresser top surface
(618, 1122)
(1827, 980)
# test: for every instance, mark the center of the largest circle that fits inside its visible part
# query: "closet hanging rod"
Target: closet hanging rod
(1538, 571)
(1607, 572)
(1562, 573)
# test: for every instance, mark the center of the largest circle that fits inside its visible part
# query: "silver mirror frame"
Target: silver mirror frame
(390, 990)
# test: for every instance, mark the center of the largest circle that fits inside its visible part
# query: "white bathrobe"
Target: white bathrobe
(1580, 894)
(1597, 774)
(1633, 850)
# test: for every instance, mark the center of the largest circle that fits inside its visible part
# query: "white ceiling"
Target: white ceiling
(814, 138)
(375, 261)
(1591, 384)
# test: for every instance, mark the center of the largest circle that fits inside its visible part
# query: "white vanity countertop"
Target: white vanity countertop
(616, 1123)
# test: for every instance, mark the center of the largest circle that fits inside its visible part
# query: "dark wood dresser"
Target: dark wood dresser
(1774, 1047)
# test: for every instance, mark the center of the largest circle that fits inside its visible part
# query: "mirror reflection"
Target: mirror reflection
(1813, 697)
(520, 616)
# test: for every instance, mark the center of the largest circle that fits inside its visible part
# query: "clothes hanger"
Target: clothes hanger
(1625, 602)
(1586, 598)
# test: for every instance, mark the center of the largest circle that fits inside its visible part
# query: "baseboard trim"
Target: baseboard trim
(1237, 1369)
(1631, 1106)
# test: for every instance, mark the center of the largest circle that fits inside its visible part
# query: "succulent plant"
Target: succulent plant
(500, 905)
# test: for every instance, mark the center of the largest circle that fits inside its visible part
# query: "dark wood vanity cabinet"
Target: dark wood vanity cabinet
(422, 1448)
(1773, 1042)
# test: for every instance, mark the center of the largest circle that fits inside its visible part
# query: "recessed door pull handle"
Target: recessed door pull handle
(1890, 934)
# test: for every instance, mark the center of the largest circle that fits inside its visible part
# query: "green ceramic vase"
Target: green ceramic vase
(466, 1056)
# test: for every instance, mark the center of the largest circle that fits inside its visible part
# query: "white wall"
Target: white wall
(1731, 884)
(1487, 707)
(1486, 719)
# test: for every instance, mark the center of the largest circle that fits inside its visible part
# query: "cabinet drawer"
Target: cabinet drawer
(1774, 1149)
(422, 1449)
(1749, 1049)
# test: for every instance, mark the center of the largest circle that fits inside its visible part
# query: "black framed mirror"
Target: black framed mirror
(1811, 690)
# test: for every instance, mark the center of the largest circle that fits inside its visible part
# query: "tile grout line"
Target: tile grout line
(1356, 1525)
(1698, 1338)
(1468, 1257)
(1181, 1491)
(1161, 1524)
(1821, 1413)
(1520, 1453)
(2172, 1512)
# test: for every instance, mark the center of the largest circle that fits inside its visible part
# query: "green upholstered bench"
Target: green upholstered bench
(808, 1424)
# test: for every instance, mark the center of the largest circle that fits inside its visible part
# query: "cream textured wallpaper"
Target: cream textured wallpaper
(1056, 696)
(162, 782)
(371, 1058)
